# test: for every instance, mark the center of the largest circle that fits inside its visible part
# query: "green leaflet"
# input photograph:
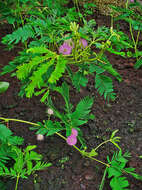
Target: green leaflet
(7, 141)
(138, 64)
(44, 68)
(59, 70)
(5, 133)
(112, 71)
(36, 78)
(21, 34)
(119, 183)
(117, 170)
(41, 50)
(24, 165)
(104, 86)
(79, 80)
(48, 128)
(64, 91)
(53, 127)
(25, 69)
(3, 86)
(82, 108)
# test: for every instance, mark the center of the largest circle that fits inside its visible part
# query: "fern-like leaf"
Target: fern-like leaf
(41, 50)
(83, 108)
(41, 166)
(21, 34)
(37, 78)
(24, 70)
(104, 86)
(79, 80)
(59, 70)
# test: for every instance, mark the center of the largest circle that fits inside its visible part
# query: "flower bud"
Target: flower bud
(50, 111)
(40, 137)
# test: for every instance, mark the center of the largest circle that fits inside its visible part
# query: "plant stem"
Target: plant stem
(31, 123)
(18, 120)
(103, 180)
(17, 181)
(98, 160)
(102, 144)
(127, 4)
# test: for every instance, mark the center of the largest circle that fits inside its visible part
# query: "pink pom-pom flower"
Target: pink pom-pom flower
(65, 49)
(83, 43)
(74, 132)
(71, 140)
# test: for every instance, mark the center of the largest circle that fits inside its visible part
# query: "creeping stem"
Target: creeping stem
(35, 124)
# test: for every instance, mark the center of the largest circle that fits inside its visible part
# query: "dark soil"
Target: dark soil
(78, 173)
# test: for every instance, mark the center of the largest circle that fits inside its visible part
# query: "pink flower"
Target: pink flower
(71, 140)
(83, 43)
(132, 1)
(74, 132)
(65, 49)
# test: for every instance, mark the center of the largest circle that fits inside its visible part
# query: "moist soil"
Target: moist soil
(69, 170)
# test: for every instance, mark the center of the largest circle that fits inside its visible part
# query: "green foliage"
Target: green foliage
(118, 169)
(79, 80)
(104, 86)
(3, 86)
(70, 118)
(138, 63)
(82, 110)
(44, 68)
(21, 34)
(42, 26)
(132, 14)
(88, 8)
(24, 162)
(11, 67)
(7, 141)
(17, 11)
(23, 165)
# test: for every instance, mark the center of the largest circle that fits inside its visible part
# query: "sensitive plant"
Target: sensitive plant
(42, 68)
(88, 62)
(70, 121)
(53, 45)
(116, 168)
